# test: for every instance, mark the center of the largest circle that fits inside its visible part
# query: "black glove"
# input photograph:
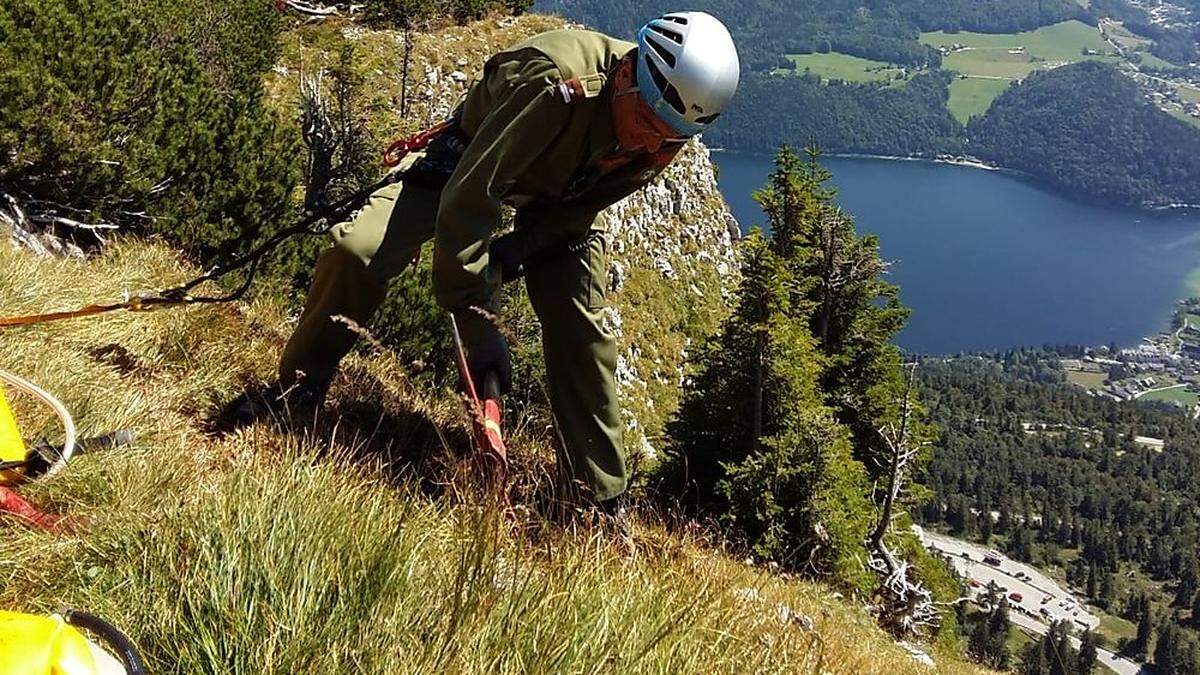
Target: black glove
(507, 253)
(487, 350)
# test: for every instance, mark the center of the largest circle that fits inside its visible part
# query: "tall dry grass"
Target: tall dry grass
(325, 547)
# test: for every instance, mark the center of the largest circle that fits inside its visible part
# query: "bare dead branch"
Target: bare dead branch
(309, 8)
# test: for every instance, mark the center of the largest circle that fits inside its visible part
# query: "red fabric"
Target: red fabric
(12, 503)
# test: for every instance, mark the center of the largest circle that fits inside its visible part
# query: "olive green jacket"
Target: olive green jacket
(539, 118)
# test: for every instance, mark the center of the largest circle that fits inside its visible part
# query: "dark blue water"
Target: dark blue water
(989, 261)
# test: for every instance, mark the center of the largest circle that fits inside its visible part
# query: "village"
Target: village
(1174, 90)
(1164, 367)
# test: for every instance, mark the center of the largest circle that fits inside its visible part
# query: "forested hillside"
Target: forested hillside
(866, 118)
(881, 29)
(1086, 128)
(1068, 487)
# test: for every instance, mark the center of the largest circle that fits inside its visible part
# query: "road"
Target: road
(1151, 391)
(1041, 600)
(1115, 663)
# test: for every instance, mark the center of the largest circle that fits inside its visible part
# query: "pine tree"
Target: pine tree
(1167, 648)
(790, 396)
(1092, 585)
(1108, 591)
(1145, 629)
(999, 627)
(985, 527)
(760, 448)
(182, 144)
(1004, 523)
(1067, 659)
(1196, 609)
(1088, 653)
(1036, 660)
(979, 643)
(1189, 580)
(852, 311)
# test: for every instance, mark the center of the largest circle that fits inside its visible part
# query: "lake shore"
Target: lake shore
(955, 160)
(977, 163)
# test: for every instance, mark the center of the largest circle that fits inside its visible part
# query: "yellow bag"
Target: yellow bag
(47, 645)
(12, 447)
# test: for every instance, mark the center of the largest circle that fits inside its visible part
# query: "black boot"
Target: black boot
(296, 401)
(613, 517)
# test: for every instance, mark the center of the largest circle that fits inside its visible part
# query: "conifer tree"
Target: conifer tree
(853, 312)
(136, 114)
(765, 437)
(1189, 580)
(1167, 649)
(1088, 652)
(762, 450)
(989, 638)
(1108, 591)
(1145, 629)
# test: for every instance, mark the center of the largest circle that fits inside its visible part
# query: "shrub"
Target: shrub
(144, 114)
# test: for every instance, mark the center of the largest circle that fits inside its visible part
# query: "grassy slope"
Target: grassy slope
(310, 551)
(971, 96)
(839, 66)
(989, 67)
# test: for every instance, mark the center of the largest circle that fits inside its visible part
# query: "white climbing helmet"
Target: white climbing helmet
(687, 69)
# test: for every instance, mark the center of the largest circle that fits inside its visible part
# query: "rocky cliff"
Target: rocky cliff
(672, 268)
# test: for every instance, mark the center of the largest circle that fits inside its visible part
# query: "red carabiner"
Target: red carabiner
(399, 149)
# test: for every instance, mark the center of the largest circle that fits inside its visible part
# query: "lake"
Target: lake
(987, 260)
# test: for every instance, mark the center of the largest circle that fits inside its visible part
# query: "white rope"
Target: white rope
(59, 409)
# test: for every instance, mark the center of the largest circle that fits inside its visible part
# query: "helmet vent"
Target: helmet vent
(676, 19)
(708, 119)
(662, 52)
(668, 90)
(672, 97)
(669, 34)
(660, 80)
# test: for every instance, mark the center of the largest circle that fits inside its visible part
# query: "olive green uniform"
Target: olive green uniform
(542, 141)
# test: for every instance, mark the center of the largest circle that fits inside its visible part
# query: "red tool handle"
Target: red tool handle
(490, 407)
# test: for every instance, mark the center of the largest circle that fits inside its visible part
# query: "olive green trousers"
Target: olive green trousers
(568, 293)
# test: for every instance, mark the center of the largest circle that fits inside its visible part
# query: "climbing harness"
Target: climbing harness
(399, 149)
(315, 224)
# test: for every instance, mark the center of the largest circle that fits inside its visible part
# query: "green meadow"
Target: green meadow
(835, 66)
(991, 62)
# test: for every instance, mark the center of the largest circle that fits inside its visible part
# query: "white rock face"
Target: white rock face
(680, 228)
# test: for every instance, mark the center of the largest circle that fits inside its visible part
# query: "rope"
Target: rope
(60, 410)
(182, 294)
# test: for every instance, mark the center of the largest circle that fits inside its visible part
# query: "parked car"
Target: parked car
(1016, 597)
